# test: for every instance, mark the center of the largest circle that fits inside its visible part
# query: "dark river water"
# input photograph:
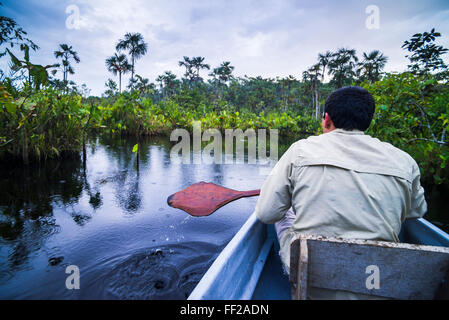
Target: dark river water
(111, 220)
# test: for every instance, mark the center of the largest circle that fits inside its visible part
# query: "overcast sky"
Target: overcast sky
(258, 37)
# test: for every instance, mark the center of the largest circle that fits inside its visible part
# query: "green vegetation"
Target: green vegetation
(66, 53)
(41, 125)
(413, 114)
(43, 117)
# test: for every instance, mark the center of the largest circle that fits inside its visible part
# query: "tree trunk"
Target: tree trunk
(132, 71)
(137, 157)
(84, 152)
(313, 102)
(25, 148)
(138, 147)
(120, 82)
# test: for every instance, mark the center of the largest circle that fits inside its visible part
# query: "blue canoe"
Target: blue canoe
(249, 267)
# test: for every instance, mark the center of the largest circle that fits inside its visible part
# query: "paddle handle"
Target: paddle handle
(250, 193)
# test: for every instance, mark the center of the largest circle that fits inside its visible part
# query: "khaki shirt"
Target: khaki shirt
(342, 184)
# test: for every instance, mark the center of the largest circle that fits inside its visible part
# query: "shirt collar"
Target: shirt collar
(343, 131)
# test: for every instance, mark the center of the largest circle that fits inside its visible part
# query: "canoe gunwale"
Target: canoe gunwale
(235, 273)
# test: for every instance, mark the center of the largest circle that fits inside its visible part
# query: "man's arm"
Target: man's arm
(275, 196)
(418, 202)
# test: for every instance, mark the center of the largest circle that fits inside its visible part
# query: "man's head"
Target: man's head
(349, 108)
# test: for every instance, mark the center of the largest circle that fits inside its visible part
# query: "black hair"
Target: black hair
(350, 108)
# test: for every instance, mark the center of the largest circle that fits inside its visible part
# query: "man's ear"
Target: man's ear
(328, 124)
(327, 120)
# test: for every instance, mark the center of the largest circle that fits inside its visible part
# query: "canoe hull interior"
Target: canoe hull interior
(249, 267)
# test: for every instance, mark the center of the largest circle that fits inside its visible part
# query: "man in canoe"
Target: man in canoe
(343, 183)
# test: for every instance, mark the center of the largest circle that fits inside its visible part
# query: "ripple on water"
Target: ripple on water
(164, 272)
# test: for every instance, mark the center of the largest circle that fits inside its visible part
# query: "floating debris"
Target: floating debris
(55, 261)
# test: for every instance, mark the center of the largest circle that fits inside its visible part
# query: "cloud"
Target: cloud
(259, 37)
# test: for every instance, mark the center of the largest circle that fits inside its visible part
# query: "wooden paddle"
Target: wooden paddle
(202, 198)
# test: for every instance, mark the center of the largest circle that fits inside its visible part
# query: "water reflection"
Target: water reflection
(27, 199)
(109, 219)
(113, 222)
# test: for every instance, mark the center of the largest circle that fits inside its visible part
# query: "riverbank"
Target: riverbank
(412, 114)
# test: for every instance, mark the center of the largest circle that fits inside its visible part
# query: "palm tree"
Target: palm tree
(188, 64)
(222, 75)
(143, 84)
(308, 81)
(324, 60)
(118, 64)
(111, 88)
(312, 74)
(160, 79)
(169, 80)
(66, 53)
(286, 83)
(372, 65)
(342, 66)
(136, 46)
(167, 83)
(198, 65)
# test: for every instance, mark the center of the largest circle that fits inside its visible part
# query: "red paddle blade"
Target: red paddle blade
(202, 199)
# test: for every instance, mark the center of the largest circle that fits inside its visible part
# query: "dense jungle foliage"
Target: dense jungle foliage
(44, 117)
